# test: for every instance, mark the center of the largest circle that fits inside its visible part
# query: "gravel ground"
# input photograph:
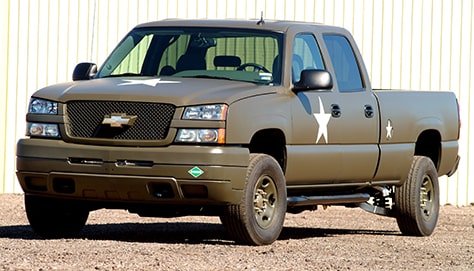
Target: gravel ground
(334, 239)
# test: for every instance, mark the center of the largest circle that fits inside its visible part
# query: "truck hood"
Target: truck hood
(177, 91)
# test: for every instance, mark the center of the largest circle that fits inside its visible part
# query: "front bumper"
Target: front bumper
(132, 174)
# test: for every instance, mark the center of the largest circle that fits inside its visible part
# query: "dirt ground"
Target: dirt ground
(334, 239)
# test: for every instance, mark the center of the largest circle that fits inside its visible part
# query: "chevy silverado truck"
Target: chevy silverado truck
(241, 119)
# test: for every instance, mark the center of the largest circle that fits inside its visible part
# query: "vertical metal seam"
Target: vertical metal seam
(420, 52)
(411, 43)
(93, 30)
(58, 24)
(391, 42)
(460, 62)
(400, 79)
(431, 47)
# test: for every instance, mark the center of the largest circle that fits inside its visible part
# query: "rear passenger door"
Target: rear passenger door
(355, 115)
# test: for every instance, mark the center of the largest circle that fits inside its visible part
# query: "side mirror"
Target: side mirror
(314, 80)
(84, 71)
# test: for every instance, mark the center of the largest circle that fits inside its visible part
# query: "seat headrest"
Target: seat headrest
(227, 61)
(190, 61)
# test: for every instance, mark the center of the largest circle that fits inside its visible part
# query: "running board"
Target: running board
(327, 200)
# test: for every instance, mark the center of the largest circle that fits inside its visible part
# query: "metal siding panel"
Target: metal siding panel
(456, 185)
(4, 60)
(17, 52)
(374, 35)
(469, 191)
(464, 79)
(396, 64)
(386, 45)
(435, 45)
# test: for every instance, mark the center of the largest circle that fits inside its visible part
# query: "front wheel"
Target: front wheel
(52, 218)
(258, 219)
(417, 200)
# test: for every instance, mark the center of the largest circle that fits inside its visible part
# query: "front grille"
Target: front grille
(84, 120)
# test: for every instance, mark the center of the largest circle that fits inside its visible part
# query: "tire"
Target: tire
(52, 218)
(259, 218)
(417, 200)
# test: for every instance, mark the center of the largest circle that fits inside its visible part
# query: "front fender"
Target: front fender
(248, 116)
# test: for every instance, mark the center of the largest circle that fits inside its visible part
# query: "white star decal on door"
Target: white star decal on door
(149, 82)
(323, 119)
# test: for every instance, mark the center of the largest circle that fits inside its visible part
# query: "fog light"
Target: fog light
(186, 135)
(208, 135)
(201, 136)
(43, 129)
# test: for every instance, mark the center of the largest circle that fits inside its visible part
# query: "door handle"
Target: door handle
(335, 111)
(369, 111)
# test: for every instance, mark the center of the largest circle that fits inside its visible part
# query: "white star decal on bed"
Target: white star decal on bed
(149, 82)
(389, 129)
(323, 119)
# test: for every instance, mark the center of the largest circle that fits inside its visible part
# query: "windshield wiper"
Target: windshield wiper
(126, 74)
(208, 76)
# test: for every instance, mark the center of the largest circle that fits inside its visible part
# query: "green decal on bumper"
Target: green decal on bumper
(195, 172)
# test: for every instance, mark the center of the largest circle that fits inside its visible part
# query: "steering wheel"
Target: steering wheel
(256, 67)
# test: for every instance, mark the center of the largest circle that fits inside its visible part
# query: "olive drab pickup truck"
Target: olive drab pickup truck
(241, 119)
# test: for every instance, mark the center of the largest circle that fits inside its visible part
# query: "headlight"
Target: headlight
(205, 112)
(43, 129)
(201, 136)
(40, 106)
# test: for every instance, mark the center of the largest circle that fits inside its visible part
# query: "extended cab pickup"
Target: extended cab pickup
(245, 120)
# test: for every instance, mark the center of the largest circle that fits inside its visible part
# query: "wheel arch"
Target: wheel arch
(428, 144)
(271, 142)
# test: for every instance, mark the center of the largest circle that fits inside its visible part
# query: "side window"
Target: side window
(344, 62)
(306, 55)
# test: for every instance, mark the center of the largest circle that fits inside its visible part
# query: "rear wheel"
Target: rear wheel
(417, 200)
(258, 219)
(53, 218)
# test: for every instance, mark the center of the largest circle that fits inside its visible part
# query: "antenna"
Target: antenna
(261, 22)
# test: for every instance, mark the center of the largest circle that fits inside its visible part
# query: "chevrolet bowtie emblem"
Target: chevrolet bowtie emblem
(119, 119)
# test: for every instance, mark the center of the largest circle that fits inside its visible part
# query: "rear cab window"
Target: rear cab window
(345, 64)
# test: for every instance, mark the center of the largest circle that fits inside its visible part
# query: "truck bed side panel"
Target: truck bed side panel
(404, 116)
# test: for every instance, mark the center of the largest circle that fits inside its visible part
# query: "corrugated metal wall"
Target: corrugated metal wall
(412, 44)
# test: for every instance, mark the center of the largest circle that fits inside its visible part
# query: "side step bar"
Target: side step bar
(327, 200)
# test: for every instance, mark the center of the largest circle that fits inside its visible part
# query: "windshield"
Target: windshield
(232, 54)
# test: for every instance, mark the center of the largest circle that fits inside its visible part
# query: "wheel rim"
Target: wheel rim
(264, 203)
(427, 197)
